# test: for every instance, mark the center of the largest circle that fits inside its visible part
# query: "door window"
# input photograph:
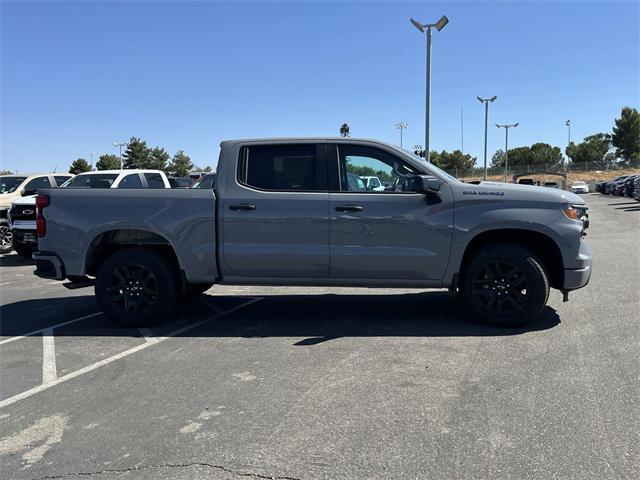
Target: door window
(154, 180)
(60, 179)
(130, 181)
(378, 171)
(32, 187)
(282, 168)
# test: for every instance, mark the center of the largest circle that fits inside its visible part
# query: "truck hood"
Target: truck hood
(30, 200)
(514, 191)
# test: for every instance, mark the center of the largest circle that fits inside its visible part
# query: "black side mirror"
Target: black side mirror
(426, 184)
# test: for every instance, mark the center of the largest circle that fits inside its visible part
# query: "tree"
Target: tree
(158, 158)
(79, 165)
(137, 154)
(6, 172)
(207, 169)
(344, 130)
(180, 164)
(538, 154)
(455, 160)
(626, 136)
(498, 158)
(594, 150)
(108, 162)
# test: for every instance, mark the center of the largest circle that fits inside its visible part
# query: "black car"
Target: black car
(607, 187)
(629, 185)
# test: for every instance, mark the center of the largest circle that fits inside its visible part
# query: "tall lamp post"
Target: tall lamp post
(439, 25)
(401, 126)
(506, 146)
(568, 124)
(486, 102)
(120, 145)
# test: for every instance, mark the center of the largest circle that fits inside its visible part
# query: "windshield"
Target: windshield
(431, 167)
(9, 184)
(93, 180)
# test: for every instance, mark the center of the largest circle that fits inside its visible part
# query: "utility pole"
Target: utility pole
(439, 25)
(506, 146)
(486, 102)
(120, 145)
(401, 126)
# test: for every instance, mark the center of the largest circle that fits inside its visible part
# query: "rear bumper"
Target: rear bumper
(25, 236)
(575, 278)
(49, 265)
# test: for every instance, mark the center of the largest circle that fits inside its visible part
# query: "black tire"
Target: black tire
(505, 285)
(23, 250)
(6, 236)
(137, 287)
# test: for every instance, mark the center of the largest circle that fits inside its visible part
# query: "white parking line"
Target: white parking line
(126, 353)
(35, 332)
(49, 371)
(5, 283)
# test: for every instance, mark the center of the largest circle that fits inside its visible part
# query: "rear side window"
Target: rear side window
(92, 180)
(286, 168)
(154, 180)
(130, 181)
(60, 179)
(33, 185)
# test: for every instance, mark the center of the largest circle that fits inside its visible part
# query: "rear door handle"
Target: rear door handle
(349, 208)
(242, 206)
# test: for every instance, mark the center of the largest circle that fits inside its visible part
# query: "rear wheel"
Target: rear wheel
(136, 287)
(6, 236)
(505, 285)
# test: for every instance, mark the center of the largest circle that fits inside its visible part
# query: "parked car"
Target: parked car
(629, 185)
(281, 216)
(180, 182)
(372, 183)
(526, 181)
(550, 184)
(610, 187)
(14, 187)
(579, 187)
(23, 213)
(636, 188)
(206, 181)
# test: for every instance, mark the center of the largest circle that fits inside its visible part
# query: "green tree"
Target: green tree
(108, 162)
(6, 172)
(207, 169)
(626, 136)
(455, 160)
(594, 150)
(79, 165)
(497, 160)
(180, 164)
(137, 154)
(538, 154)
(158, 159)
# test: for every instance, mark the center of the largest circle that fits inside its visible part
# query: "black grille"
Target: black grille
(23, 212)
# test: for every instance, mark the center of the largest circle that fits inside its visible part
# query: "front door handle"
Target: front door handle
(242, 206)
(349, 208)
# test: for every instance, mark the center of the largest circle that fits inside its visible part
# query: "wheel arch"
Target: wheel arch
(543, 247)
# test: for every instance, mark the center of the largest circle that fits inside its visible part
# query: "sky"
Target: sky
(78, 76)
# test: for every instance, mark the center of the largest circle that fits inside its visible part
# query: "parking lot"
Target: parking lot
(310, 383)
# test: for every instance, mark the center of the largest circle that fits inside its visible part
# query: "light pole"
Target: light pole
(440, 24)
(401, 126)
(568, 124)
(92, 160)
(120, 145)
(486, 102)
(506, 146)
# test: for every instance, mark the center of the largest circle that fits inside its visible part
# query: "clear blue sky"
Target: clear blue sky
(77, 76)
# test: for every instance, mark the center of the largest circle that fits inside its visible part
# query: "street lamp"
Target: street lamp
(568, 124)
(401, 126)
(120, 145)
(439, 25)
(506, 146)
(486, 102)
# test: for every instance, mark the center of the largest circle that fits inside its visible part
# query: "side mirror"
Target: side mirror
(23, 192)
(426, 184)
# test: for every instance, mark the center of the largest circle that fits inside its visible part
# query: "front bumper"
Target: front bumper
(49, 265)
(575, 278)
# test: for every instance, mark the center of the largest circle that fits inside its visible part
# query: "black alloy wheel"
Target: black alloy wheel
(133, 289)
(500, 287)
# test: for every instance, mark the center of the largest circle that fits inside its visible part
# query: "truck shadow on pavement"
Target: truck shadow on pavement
(15, 261)
(316, 318)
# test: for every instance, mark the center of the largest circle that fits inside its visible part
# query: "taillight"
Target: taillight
(41, 224)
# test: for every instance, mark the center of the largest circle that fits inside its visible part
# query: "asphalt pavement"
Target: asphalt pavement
(327, 383)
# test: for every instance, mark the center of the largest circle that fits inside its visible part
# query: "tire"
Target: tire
(137, 287)
(6, 236)
(505, 285)
(23, 250)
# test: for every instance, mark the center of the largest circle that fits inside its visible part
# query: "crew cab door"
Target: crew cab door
(275, 212)
(394, 234)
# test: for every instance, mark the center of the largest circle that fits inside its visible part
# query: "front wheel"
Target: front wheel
(136, 287)
(6, 236)
(505, 285)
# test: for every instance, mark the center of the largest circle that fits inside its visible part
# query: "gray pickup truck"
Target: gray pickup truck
(287, 212)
